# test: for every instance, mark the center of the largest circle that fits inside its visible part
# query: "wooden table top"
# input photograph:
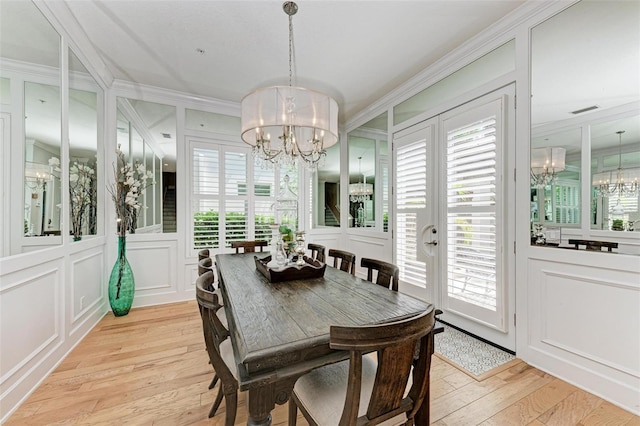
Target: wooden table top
(278, 325)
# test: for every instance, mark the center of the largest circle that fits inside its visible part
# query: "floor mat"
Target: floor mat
(471, 355)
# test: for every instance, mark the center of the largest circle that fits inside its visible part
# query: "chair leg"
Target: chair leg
(213, 381)
(216, 403)
(231, 400)
(293, 412)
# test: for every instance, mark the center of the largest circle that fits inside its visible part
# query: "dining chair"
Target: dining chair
(218, 345)
(205, 265)
(347, 260)
(203, 254)
(248, 246)
(365, 392)
(317, 252)
(387, 273)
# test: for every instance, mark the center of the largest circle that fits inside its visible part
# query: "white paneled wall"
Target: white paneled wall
(48, 302)
(584, 321)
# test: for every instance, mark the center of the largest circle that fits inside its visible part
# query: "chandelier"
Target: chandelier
(361, 191)
(36, 176)
(545, 164)
(620, 182)
(287, 123)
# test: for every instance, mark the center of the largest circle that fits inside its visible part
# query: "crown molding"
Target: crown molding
(66, 24)
(491, 38)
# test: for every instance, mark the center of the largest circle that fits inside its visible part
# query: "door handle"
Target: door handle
(432, 230)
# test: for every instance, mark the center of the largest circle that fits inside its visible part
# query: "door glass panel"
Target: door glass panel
(412, 154)
(476, 227)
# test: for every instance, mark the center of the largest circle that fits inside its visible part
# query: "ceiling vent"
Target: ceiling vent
(580, 111)
(166, 135)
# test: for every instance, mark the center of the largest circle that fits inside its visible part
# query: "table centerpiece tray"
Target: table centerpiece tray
(310, 269)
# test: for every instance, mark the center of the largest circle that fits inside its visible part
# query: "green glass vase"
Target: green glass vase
(121, 283)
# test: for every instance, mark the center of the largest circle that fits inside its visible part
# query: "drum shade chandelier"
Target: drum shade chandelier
(287, 123)
(620, 182)
(545, 164)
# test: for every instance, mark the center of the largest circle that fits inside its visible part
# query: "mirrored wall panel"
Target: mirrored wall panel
(146, 133)
(31, 100)
(83, 150)
(615, 174)
(325, 197)
(368, 190)
(585, 127)
(42, 187)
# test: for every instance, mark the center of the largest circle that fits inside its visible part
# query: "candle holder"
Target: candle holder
(300, 247)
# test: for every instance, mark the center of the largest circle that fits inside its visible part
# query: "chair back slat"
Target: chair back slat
(347, 260)
(387, 273)
(205, 265)
(203, 254)
(248, 246)
(317, 252)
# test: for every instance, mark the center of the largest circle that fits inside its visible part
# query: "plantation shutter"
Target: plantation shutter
(472, 212)
(232, 198)
(205, 197)
(236, 197)
(264, 192)
(411, 196)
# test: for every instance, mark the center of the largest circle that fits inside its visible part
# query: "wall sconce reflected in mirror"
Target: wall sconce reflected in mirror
(545, 164)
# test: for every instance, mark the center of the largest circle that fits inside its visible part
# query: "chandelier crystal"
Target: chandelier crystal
(286, 123)
(545, 164)
(620, 182)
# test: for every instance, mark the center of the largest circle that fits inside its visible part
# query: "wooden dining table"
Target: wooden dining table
(280, 331)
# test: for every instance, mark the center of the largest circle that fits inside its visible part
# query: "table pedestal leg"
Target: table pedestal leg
(263, 399)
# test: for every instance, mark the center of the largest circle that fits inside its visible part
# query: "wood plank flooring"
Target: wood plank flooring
(150, 368)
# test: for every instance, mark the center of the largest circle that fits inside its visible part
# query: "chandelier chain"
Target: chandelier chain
(290, 49)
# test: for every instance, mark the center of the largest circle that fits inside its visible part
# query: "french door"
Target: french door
(452, 230)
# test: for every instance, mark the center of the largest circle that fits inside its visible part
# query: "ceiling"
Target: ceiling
(354, 50)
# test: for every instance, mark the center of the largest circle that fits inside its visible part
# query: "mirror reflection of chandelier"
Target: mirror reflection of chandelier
(361, 191)
(36, 176)
(287, 123)
(620, 182)
(545, 164)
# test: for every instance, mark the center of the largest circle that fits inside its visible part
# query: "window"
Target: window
(220, 178)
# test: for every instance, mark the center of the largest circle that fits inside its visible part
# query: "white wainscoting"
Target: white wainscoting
(584, 321)
(154, 265)
(374, 245)
(49, 301)
(88, 285)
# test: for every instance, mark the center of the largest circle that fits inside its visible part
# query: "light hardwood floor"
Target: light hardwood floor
(150, 368)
